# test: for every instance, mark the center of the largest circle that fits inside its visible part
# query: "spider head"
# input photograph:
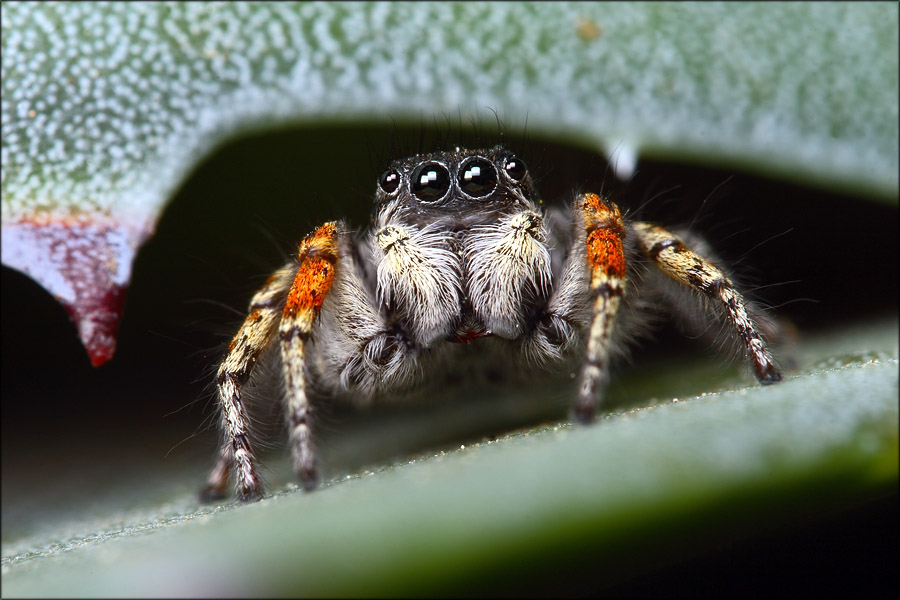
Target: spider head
(470, 185)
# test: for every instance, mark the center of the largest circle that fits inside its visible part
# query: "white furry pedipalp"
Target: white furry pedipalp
(506, 262)
(420, 277)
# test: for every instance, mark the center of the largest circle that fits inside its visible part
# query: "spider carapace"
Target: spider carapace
(461, 259)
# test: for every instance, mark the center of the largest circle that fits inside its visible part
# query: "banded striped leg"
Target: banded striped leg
(318, 257)
(685, 266)
(604, 237)
(251, 340)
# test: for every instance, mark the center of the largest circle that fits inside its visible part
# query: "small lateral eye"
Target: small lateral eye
(389, 181)
(430, 182)
(477, 177)
(515, 168)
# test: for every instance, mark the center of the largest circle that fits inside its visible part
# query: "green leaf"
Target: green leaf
(655, 479)
(106, 107)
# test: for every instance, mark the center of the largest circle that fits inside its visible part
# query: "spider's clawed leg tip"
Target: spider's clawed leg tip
(770, 377)
(250, 495)
(309, 479)
(583, 416)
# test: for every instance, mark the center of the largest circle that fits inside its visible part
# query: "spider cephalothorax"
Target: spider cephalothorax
(460, 248)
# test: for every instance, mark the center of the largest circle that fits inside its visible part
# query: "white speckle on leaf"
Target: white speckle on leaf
(196, 73)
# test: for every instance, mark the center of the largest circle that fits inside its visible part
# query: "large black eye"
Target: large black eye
(477, 177)
(430, 182)
(389, 181)
(515, 168)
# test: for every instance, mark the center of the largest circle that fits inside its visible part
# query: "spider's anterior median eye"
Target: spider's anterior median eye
(389, 181)
(515, 168)
(430, 182)
(477, 177)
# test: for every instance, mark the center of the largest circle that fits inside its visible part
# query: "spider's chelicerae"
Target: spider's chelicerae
(462, 263)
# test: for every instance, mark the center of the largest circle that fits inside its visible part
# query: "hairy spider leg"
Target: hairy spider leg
(318, 256)
(251, 340)
(604, 244)
(688, 268)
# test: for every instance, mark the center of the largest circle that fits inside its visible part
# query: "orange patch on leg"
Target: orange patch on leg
(321, 242)
(311, 285)
(599, 213)
(593, 203)
(605, 232)
(318, 254)
(606, 252)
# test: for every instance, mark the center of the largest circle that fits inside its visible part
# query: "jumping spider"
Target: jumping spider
(459, 248)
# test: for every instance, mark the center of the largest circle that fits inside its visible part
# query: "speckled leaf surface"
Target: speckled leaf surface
(106, 107)
(656, 474)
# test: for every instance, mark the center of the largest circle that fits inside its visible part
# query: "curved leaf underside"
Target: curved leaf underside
(107, 107)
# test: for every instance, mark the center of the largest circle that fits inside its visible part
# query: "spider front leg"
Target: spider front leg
(604, 233)
(286, 306)
(318, 256)
(254, 336)
(688, 268)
